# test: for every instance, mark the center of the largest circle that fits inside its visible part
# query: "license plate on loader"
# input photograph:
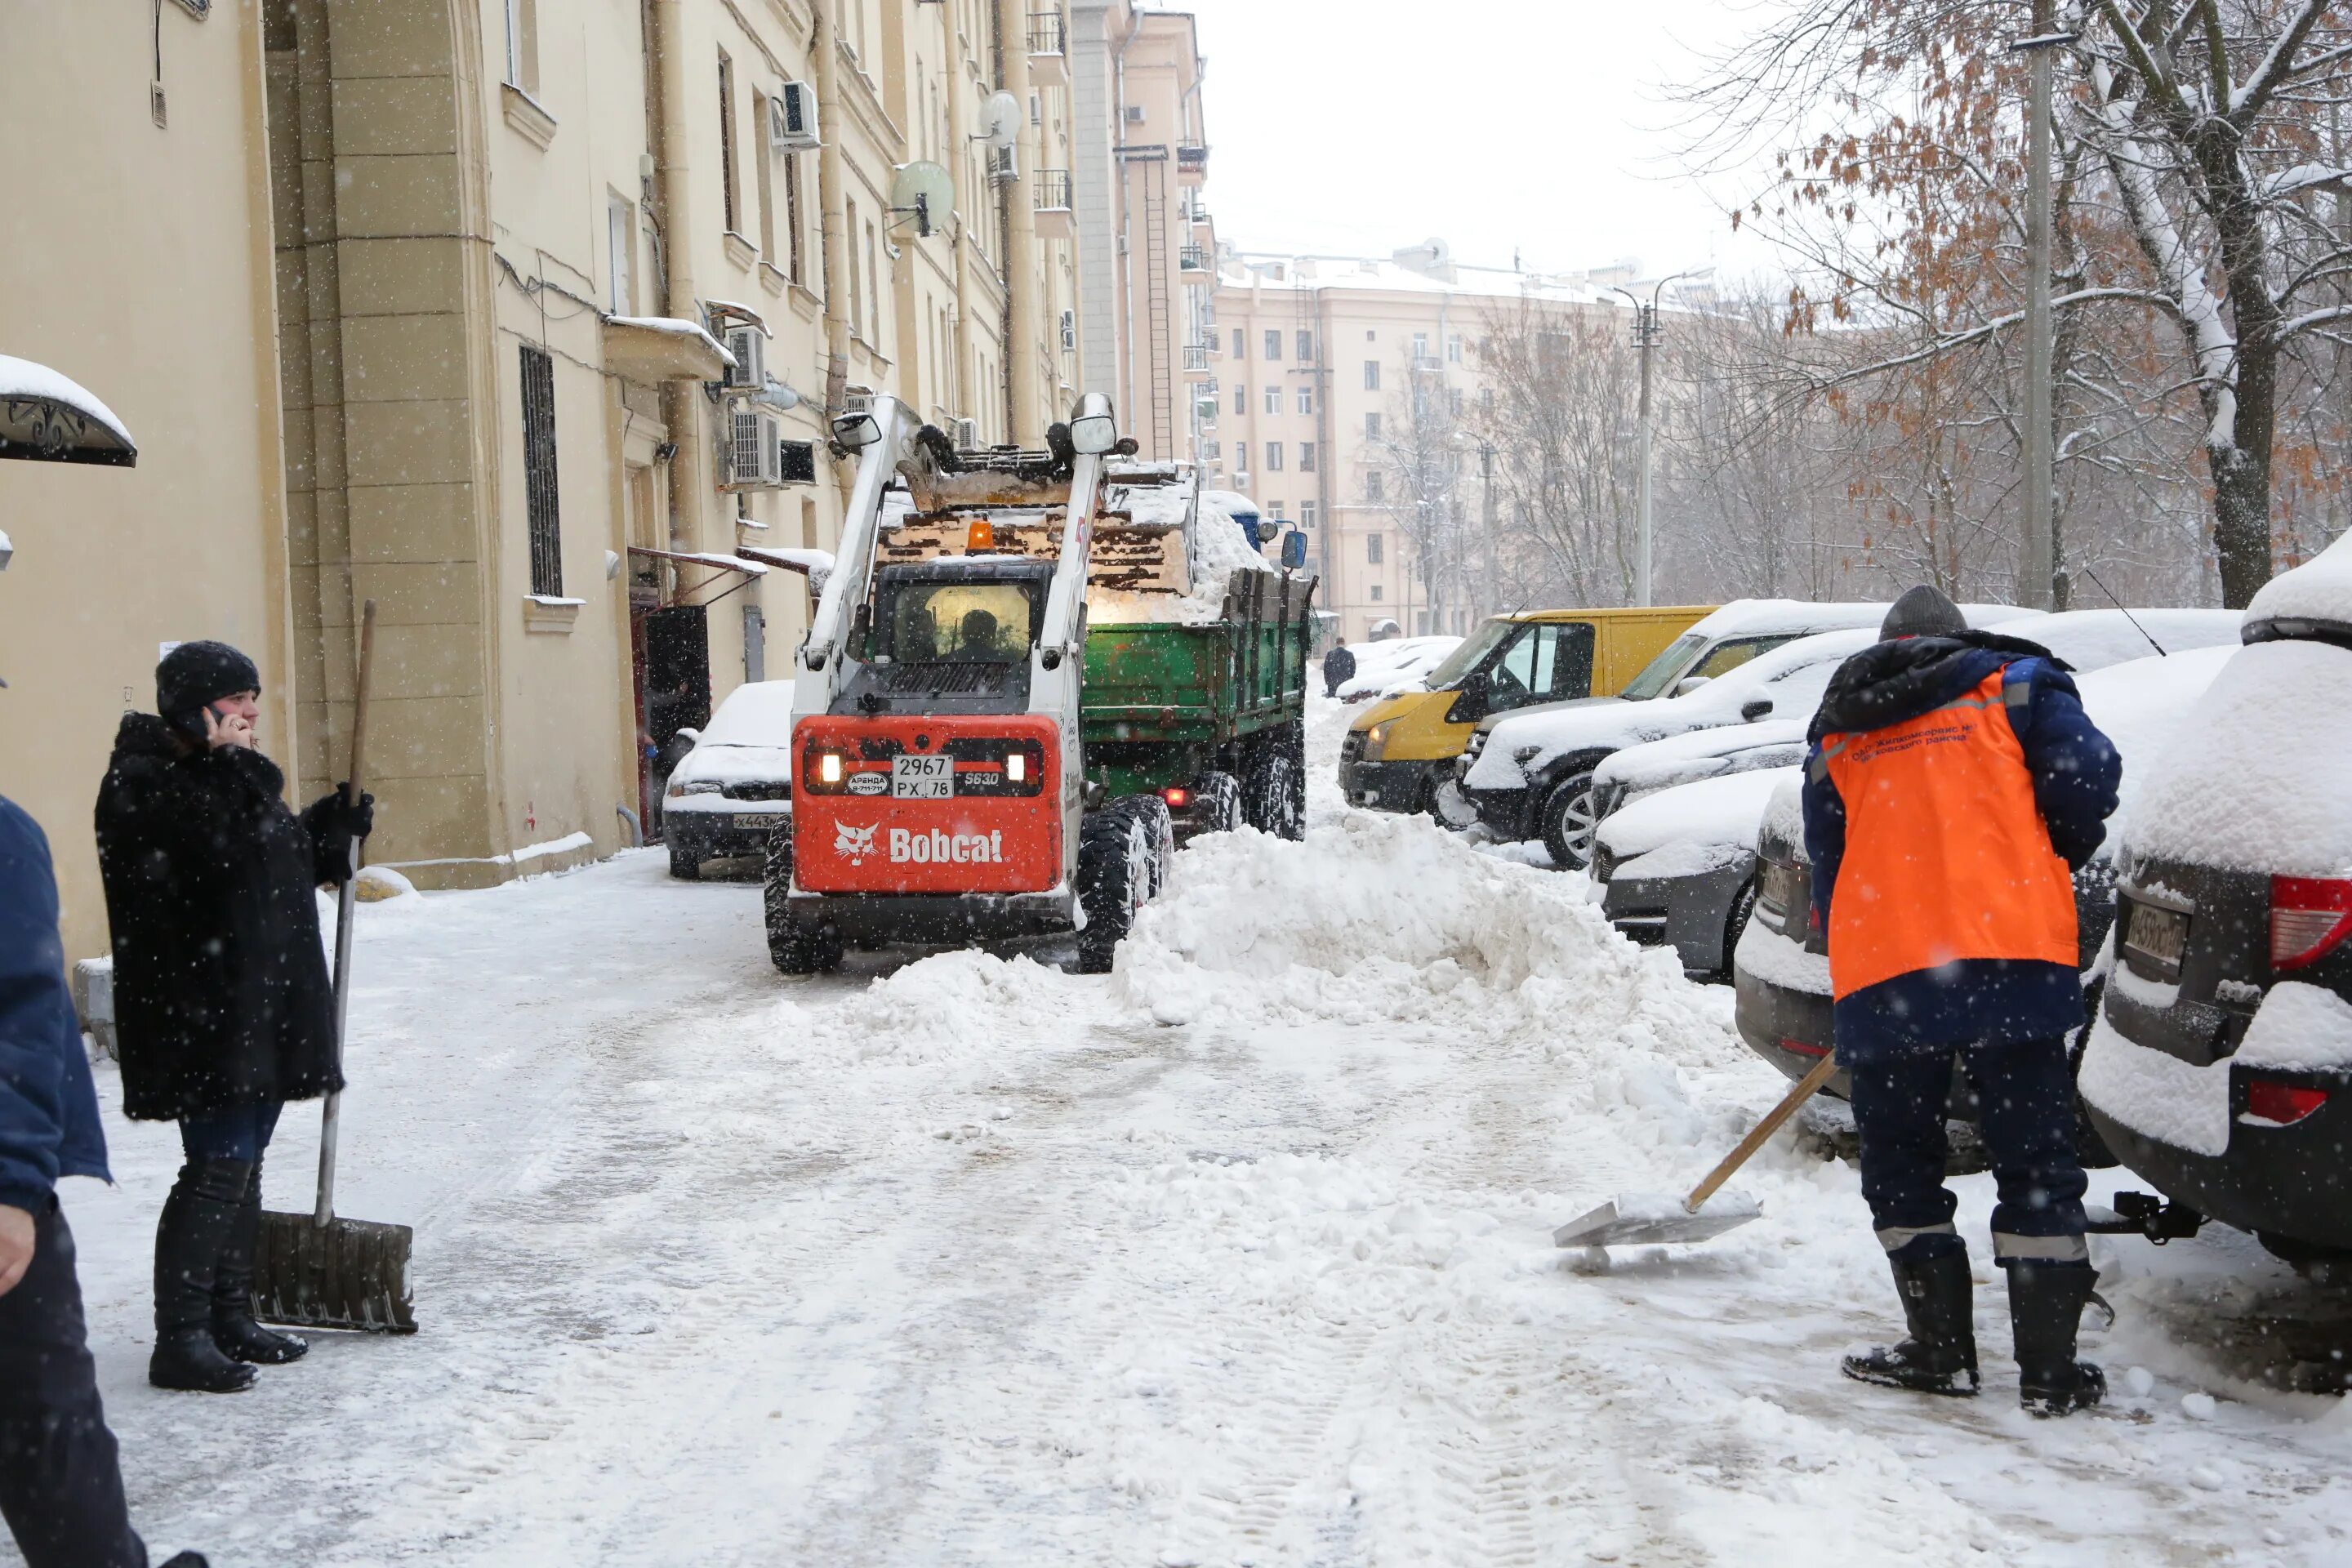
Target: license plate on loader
(922, 778)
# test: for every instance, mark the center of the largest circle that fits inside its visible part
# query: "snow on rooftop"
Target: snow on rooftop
(676, 328)
(1373, 274)
(23, 378)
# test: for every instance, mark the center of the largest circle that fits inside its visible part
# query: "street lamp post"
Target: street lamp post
(1647, 334)
(2037, 555)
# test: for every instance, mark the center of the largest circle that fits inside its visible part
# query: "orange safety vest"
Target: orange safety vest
(1946, 857)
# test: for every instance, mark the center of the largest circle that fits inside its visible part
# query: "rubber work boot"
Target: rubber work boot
(2045, 1307)
(189, 1241)
(1940, 1355)
(235, 1334)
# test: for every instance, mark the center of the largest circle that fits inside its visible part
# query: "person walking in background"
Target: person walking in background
(1338, 668)
(223, 1010)
(1953, 784)
(60, 1478)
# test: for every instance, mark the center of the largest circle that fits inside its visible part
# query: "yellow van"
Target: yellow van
(1401, 749)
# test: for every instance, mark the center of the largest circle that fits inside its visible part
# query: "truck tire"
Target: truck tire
(1216, 803)
(793, 949)
(1119, 854)
(1273, 794)
(685, 864)
(1566, 821)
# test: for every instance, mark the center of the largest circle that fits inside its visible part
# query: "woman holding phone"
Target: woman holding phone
(223, 1010)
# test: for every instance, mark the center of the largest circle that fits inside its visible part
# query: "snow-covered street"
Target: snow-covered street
(1240, 1255)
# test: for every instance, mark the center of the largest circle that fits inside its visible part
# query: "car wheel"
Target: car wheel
(1451, 808)
(1743, 907)
(1567, 823)
(684, 864)
(1216, 803)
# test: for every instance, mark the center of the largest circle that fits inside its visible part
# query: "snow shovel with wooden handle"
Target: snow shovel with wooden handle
(314, 1270)
(1632, 1218)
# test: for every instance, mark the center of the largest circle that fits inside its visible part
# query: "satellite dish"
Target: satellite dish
(1000, 120)
(925, 192)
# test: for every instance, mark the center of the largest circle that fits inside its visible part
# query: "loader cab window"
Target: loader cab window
(958, 622)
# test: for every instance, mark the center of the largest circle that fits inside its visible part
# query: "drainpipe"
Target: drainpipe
(833, 227)
(1094, 197)
(1017, 214)
(681, 400)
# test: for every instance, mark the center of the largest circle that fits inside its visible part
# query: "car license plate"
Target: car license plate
(2156, 932)
(922, 778)
(760, 819)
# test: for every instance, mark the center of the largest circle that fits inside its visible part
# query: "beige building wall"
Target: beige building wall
(136, 259)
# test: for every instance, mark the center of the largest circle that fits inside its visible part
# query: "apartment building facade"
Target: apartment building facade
(1345, 397)
(447, 321)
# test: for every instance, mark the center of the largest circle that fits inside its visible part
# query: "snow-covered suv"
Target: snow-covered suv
(2221, 1067)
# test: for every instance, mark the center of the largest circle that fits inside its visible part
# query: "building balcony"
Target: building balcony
(1193, 262)
(1054, 219)
(1049, 50)
(1196, 359)
(1192, 164)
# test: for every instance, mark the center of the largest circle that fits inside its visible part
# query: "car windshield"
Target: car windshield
(1730, 655)
(934, 622)
(1466, 659)
(1664, 671)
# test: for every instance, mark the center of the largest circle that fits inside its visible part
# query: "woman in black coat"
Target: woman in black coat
(223, 1010)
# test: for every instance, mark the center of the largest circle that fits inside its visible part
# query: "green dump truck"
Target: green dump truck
(1203, 705)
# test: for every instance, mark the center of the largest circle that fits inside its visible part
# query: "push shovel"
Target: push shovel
(313, 1270)
(1632, 1218)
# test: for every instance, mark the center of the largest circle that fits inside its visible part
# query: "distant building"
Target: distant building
(1313, 372)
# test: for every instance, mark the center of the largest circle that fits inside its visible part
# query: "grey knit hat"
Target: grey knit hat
(1922, 612)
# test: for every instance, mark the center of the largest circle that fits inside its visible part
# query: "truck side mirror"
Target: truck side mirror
(1754, 707)
(1294, 550)
(1470, 702)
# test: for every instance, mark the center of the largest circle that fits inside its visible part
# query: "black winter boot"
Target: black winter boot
(234, 1332)
(1940, 1357)
(2045, 1307)
(189, 1239)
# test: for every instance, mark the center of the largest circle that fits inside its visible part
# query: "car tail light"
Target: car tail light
(2310, 917)
(2283, 1104)
(1177, 796)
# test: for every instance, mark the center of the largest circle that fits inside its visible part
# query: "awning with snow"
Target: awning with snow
(702, 558)
(47, 417)
(663, 348)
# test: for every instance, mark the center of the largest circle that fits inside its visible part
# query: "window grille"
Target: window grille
(538, 472)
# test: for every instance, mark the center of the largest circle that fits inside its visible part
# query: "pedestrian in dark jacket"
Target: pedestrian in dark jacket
(222, 1007)
(1953, 786)
(1338, 668)
(60, 1480)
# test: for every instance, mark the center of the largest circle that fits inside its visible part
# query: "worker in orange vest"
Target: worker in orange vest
(1953, 784)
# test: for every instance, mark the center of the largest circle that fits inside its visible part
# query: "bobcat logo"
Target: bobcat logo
(857, 843)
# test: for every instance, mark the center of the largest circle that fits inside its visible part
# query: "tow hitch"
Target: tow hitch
(2143, 1214)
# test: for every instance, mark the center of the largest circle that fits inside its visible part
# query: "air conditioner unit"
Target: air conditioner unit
(1069, 328)
(1003, 165)
(965, 434)
(748, 344)
(1135, 114)
(755, 458)
(791, 118)
(798, 462)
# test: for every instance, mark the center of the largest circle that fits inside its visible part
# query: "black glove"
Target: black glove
(358, 821)
(332, 826)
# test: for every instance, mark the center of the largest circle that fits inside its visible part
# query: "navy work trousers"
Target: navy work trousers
(239, 1134)
(2025, 1095)
(60, 1481)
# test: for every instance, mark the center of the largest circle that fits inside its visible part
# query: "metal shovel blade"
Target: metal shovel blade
(345, 1274)
(1632, 1218)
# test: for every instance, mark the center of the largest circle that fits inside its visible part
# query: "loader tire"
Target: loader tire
(1120, 857)
(792, 948)
(1273, 794)
(1216, 803)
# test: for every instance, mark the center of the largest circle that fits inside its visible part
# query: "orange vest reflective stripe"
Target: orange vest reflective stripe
(1946, 857)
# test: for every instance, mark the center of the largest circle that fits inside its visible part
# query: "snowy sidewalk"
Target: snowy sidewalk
(1239, 1256)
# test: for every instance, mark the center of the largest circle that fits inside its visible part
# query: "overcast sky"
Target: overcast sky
(1361, 126)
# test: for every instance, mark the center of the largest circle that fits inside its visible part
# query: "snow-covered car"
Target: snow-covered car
(1696, 891)
(730, 793)
(1780, 968)
(1393, 665)
(2221, 1065)
(1680, 863)
(1532, 776)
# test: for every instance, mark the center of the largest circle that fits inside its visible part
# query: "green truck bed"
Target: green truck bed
(1163, 701)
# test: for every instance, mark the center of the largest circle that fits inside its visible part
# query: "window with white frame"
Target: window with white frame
(620, 254)
(1274, 511)
(1305, 346)
(1420, 347)
(1274, 456)
(1454, 349)
(1272, 343)
(1307, 457)
(1375, 549)
(1376, 593)
(1372, 489)
(522, 45)
(1306, 514)
(1306, 400)
(1371, 375)
(1372, 426)
(1241, 399)
(1237, 342)
(1274, 400)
